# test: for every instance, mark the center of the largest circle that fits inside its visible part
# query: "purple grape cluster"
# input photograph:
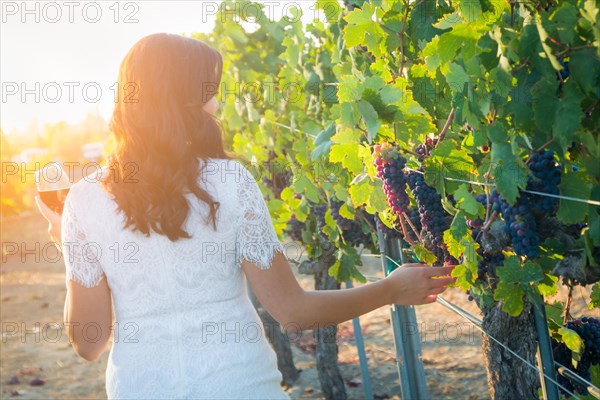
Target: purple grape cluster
(352, 231)
(486, 268)
(343, 222)
(390, 169)
(588, 329)
(294, 228)
(424, 149)
(519, 223)
(433, 216)
(546, 177)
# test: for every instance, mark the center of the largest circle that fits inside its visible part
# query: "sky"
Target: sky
(59, 59)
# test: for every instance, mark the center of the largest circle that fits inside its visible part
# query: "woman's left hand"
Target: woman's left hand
(54, 220)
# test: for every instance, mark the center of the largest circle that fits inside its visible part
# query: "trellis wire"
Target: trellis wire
(556, 196)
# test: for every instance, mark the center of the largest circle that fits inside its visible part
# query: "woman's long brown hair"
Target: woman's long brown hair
(162, 132)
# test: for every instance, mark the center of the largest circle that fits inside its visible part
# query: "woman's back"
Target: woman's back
(184, 325)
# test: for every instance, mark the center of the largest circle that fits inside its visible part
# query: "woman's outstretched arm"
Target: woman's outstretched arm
(294, 308)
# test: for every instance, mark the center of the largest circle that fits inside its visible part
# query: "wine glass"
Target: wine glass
(53, 185)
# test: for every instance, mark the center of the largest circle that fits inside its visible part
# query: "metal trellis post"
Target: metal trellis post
(544, 354)
(362, 356)
(413, 383)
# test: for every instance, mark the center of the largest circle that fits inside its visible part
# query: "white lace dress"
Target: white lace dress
(184, 325)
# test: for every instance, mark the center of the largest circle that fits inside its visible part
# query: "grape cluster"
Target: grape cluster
(390, 165)
(424, 149)
(276, 180)
(546, 179)
(433, 216)
(486, 268)
(588, 329)
(351, 228)
(344, 223)
(519, 223)
(352, 232)
(319, 212)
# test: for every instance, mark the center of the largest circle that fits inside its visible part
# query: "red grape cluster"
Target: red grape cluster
(390, 169)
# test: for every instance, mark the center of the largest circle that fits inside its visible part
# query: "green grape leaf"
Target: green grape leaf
(467, 203)
(458, 228)
(348, 89)
(346, 211)
(448, 21)
(424, 255)
(369, 115)
(515, 280)
(347, 155)
(508, 175)
(569, 114)
(554, 315)
(456, 78)
(344, 268)
(463, 279)
(571, 339)
(470, 10)
(573, 184)
(543, 37)
(368, 192)
(304, 186)
(453, 245)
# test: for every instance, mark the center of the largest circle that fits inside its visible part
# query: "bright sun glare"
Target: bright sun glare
(60, 59)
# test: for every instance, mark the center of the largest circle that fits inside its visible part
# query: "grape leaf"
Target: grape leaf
(453, 245)
(466, 202)
(456, 78)
(571, 339)
(573, 184)
(512, 296)
(303, 185)
(424, 255)
(368, 192)
(465, 276)
(514, 282)
(508, 175)
(470, 10)
(344, 268)
(347, 155)
(370, 117)
(458, 228)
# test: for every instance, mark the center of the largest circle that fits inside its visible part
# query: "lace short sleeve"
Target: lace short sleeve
(82, 258)
(257, 241)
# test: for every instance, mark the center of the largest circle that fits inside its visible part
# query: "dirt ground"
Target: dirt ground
(32, 291)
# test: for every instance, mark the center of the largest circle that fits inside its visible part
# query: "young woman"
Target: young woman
(171, 232)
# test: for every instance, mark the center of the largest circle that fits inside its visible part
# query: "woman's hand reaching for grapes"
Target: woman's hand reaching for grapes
(413, 284)
(54, 220)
